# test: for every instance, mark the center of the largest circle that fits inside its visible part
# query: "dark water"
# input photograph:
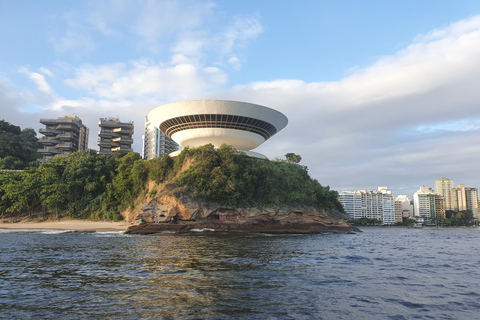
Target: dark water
(377, 274)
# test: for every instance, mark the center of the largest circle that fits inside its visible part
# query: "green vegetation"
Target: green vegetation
(230, 178)
(293, 158)
(462, 218)
(87, 185)
(18, 148)
(407, 222)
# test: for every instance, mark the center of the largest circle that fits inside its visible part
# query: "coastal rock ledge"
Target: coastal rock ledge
(298, 223)
(177, 213)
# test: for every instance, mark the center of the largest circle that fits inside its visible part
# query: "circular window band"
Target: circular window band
(173, 125)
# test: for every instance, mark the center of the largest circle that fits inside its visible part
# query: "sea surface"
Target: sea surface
(381, 273)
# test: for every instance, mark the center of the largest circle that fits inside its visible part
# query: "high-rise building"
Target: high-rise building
(467, 199)
(373, 204)
(398, 211)
(428, 205)
(407, 206)
(156, 143)
(352, 203)
(62, 136)
(444, 187)
(115, 136)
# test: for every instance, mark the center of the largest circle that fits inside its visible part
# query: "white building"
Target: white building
(373, 204)
(352, 203)
(156, 143)
(428, 205)
(198, 122)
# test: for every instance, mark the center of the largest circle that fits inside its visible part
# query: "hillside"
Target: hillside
(201, 183)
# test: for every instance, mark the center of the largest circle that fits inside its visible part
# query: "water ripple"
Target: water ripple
(378, 274)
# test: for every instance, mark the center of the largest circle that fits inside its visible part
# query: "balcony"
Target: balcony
(66, 126)
(48, 132)
(123, 140)
(123, 130)
(122, 148)
(66, 136)
(105, 134)
(48, 151)
(106, 143)
(65, 146)
(48, 141)
(114, 123)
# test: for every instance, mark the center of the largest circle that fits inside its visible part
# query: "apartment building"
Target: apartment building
(444, 187)
(467, 199)
(428, 205)
(156, 143)
(115, 136)
(62, 136)
(373, 204)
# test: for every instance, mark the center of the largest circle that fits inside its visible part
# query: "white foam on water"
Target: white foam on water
(202, 230)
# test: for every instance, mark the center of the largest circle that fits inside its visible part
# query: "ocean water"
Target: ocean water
(381, 273)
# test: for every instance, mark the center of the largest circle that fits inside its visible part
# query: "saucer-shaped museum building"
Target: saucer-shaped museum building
(198, 122)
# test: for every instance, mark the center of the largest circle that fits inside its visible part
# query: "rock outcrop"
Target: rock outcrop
(170, 209)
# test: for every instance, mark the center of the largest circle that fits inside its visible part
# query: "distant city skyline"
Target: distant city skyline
(376, 93)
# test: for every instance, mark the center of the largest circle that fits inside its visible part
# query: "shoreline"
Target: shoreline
(74, 225)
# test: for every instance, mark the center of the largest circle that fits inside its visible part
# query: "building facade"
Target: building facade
(115, 136)
(373, 204)
(467, 199)
(352, 203)
(444, 187)
(62, 136)
(156, 143)
(407, 206)
(398, 211)
(428, 205)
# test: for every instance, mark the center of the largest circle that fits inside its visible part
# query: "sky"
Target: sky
(377, 93)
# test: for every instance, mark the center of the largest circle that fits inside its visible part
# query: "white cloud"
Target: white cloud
(407, 118)
(45, 71)
(146, 78)
(240, 32)
(360, 127)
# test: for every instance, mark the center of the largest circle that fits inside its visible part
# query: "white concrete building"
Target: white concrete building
(198, 122)
(373, 204)
(156, 143)
(352, 203)
(428, 205)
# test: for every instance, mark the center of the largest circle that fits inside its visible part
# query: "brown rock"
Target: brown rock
(169, 202)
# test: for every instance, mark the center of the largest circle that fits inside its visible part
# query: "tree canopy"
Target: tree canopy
(87, 185)
(293, 158)
(18, 148)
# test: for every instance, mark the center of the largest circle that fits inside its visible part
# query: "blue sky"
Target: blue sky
(378, 93)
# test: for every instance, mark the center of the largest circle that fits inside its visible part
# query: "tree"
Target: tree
(18, 148)
(293, 158)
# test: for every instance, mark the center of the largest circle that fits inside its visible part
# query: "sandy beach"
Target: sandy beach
(76, 225)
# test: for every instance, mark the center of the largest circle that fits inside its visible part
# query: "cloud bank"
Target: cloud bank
(405, 120)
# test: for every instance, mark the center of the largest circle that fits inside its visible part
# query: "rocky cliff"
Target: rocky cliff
(169, 208)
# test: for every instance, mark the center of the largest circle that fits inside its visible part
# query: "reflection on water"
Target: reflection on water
(380, 273)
